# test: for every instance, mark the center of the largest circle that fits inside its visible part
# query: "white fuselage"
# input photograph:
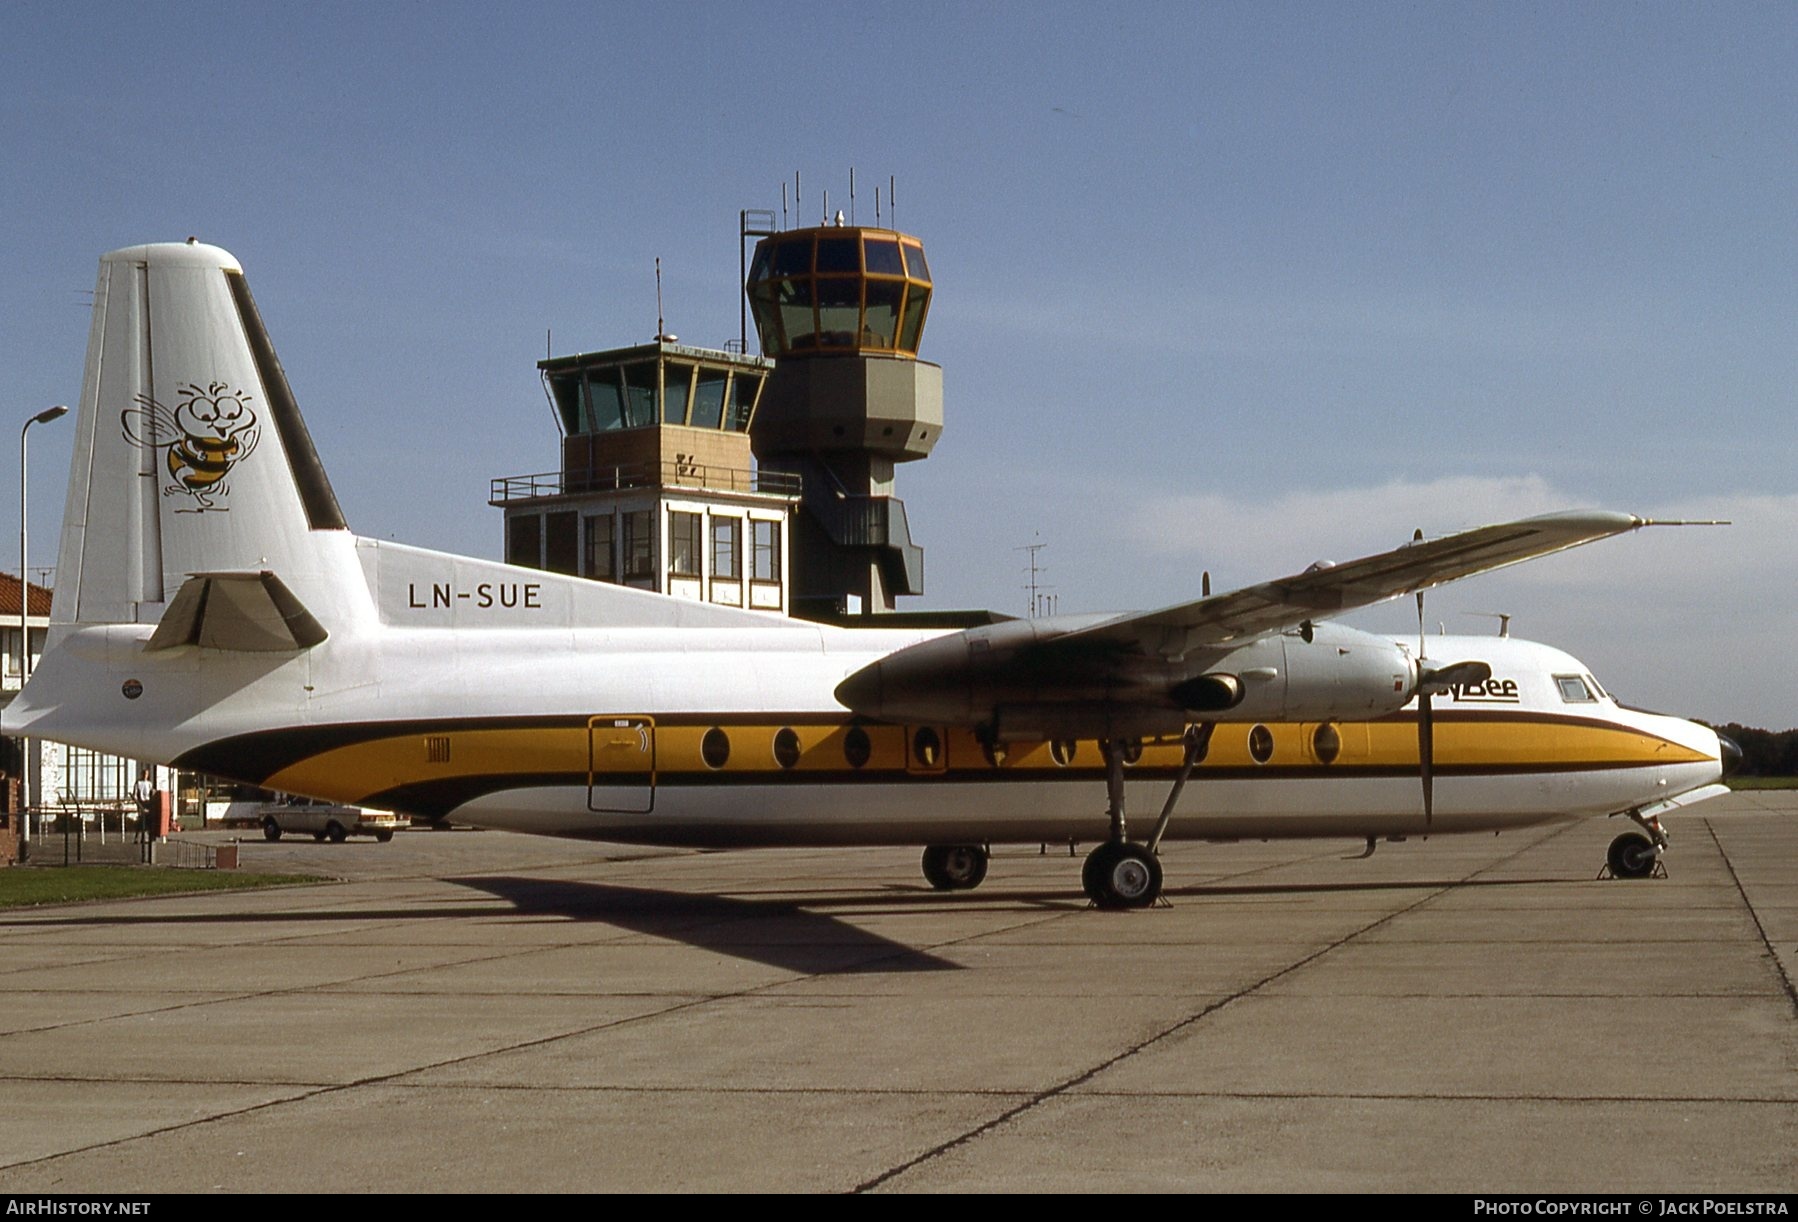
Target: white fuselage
(603, 733)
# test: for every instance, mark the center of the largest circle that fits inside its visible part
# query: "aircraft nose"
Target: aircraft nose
(1729, 753)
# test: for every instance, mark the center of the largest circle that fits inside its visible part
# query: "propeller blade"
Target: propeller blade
(1426, 754)
(1436, 680)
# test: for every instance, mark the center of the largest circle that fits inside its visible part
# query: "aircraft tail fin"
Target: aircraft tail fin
(191, 457)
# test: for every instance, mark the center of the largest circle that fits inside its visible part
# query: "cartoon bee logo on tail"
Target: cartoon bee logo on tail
(211, 430)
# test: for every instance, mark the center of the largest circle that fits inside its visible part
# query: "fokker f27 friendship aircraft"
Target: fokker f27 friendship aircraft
(213, 612)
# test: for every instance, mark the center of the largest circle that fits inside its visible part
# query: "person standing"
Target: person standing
(146, 800)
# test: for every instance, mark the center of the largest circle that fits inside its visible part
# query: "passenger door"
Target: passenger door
(621, 764)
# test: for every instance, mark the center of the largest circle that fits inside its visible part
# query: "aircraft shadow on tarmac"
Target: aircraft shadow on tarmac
(778, 933)
(792, 930)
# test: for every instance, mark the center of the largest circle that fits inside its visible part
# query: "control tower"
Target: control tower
(841, 309)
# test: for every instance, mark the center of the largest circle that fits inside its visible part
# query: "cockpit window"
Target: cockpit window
(1598, 687)
(1574, 689)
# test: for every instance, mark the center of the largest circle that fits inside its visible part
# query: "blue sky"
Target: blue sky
(1229, 287)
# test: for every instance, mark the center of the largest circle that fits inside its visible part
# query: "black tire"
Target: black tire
(383, 837)
(337, 832)
(271, 830)
(955, 867)
(319, 837)
(1121, 875)
(1632, 855)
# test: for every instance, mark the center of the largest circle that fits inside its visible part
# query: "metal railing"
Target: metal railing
(547, 484)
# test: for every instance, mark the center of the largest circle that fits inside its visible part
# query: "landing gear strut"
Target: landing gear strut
(1119, 873)
(955, 867)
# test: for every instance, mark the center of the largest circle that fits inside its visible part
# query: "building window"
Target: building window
(639, 553)
(684, 543)
(600, 565)
(524, 540)
(561, 541)
(677, 386)
(765, 539)
(727, 534)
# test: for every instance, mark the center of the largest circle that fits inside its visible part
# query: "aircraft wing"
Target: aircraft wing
(1324, 591)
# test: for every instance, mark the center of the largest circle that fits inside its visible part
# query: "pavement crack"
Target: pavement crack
(1068, 1084)
(1779, 966)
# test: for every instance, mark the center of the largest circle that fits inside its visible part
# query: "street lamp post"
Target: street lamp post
(43, 417)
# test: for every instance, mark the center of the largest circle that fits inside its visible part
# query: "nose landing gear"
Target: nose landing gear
(1638, 854)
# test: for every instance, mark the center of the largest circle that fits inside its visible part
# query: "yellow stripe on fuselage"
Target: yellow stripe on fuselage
(1516, 742)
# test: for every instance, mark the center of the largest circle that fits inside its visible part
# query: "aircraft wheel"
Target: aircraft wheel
(383, 837)
(1632, 855)
(336, 832)
(955, 867)
(1121, 875)
(271, 830)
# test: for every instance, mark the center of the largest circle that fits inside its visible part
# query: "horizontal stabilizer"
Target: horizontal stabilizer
(246, 612)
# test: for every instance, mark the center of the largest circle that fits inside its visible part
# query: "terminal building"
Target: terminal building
(760, 481)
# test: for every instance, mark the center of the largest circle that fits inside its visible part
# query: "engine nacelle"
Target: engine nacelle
(1339, 673)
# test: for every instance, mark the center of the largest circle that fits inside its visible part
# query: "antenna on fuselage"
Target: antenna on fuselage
(1503, 618)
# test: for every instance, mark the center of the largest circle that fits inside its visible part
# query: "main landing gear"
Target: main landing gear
(1121, 873)
(955, 867)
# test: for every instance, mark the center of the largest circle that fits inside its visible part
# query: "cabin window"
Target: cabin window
(786, 747)
(1326, 742)
(1574, 689)
(714, 748)
(1261, 744)
(684, 542)
(927, 747)
(1061, 750)
(856, 747)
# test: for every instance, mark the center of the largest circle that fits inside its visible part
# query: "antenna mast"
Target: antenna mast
(1040, 601)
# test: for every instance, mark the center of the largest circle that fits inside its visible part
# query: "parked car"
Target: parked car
(325, 820)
